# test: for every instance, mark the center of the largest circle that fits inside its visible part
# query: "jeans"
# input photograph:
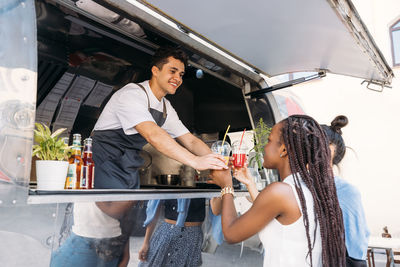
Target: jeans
(79, 251)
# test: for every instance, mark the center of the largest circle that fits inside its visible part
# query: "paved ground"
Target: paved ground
(25, 233)
(225, 255)
(228, 255)
(21, 251)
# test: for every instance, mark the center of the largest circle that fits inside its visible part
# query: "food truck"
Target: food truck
(61, 60)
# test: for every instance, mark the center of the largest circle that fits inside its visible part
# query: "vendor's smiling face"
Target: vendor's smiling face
(169, 77)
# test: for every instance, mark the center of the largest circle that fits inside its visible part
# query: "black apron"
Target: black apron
(116, 155)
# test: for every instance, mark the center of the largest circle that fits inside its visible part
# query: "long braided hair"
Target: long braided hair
(309, 158)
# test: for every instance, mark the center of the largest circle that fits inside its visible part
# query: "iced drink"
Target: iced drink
(222, 149)
(239, 154)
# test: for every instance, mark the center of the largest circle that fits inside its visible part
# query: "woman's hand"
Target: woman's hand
(222, 178)
(143, 251)
(243, 175)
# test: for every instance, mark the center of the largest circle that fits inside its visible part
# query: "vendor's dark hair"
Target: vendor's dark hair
(162, 54)
(309, 158)
(334, 134)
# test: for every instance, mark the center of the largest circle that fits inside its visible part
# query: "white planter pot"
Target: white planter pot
(51, 174)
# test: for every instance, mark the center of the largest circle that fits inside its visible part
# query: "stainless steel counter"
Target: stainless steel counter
(66, 196)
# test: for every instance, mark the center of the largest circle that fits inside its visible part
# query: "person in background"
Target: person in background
(178, 239)
(299, 219)
(355, 224)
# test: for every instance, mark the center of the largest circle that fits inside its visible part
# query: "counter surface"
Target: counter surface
(66, 196)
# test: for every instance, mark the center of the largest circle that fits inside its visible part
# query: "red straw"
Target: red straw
(241, 139)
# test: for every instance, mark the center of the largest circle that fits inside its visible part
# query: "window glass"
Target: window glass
(396, 46)
(396, 25)
(297, 75)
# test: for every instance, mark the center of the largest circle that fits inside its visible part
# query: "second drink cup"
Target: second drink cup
(239, 154)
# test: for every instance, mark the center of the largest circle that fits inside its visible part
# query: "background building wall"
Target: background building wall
(374, 124)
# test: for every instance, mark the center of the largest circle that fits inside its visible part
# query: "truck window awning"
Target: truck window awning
(276, 37)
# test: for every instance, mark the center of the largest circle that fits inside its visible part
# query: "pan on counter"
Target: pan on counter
(168, 179)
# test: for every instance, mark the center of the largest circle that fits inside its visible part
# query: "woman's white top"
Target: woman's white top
(90, 221)
(286, 245)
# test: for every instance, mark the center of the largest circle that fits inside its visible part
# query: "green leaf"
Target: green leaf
(58, 132)
(260, 139)
(48, 145)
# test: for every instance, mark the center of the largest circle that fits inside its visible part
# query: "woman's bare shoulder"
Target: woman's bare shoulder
(276, 191)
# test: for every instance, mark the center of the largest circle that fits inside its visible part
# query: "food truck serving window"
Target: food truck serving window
(88, 50)
(82, 63)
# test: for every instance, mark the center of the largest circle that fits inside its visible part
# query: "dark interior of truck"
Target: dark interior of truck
(71, 42)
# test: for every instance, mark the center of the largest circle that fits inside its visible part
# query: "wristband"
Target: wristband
(227, 190)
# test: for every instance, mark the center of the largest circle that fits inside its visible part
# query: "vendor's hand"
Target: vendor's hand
(211, 161)
(243, 175)
(143, 252)
(222, 178)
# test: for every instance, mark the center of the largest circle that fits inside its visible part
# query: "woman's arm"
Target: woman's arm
(125, 256)
(269, 204)
(149, 232)
(216, 205)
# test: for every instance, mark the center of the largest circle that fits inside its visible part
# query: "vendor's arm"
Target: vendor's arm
(149, 232)
(194, 144)
(273, 202)
(164, 143)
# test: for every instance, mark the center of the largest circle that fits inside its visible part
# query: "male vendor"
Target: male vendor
(138, 114)
(135, 115)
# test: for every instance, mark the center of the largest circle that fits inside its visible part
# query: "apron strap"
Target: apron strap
(148, 101)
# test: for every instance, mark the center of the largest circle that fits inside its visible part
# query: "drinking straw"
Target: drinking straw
(241, 139)
(223, 141)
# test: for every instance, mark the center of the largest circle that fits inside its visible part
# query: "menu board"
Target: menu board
(46, 109)
(98, 95)
(72, 101)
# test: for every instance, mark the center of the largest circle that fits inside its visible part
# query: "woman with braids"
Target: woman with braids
(355, 225)
(298, 219)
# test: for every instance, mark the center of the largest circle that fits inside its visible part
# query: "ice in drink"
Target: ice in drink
(222, 149)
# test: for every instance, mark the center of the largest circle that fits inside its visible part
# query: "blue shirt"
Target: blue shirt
(355, 224)
(151, 210)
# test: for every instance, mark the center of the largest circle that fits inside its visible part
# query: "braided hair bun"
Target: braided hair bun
(338, 123)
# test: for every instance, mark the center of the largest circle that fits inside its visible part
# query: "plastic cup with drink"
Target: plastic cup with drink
(239, 154)
(222, 148)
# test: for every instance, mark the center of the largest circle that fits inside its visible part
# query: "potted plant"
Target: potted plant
(260, 139)
(52, 166)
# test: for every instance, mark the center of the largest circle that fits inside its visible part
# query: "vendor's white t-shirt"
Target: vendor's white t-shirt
(128, 107)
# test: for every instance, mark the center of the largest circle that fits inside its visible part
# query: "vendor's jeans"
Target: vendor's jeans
(79, 251)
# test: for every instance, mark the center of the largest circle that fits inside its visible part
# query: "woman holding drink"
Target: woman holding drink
(299, 220)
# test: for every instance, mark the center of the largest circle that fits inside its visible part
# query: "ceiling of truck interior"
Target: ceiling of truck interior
(278, 37)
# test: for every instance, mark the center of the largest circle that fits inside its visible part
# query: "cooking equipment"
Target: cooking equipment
(187, 175)
(145, 169)
(168, 179)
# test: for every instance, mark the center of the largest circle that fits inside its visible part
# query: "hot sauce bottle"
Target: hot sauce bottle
(87, 179)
